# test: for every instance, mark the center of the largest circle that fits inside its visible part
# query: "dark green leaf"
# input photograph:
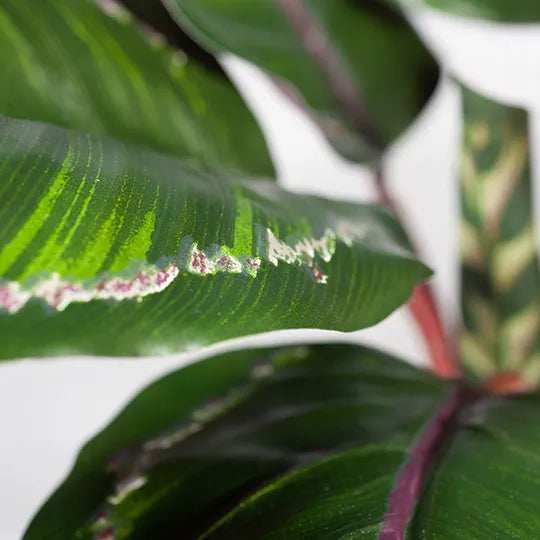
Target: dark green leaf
(498, 10)
(501, 285)
(487, 482)
(357, 65)
(66, 62)
(200, 441)
(153, 14)
(112, 249)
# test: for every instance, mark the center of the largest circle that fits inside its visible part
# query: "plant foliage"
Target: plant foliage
(140, 216)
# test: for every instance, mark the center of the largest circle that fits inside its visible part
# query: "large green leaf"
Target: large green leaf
(498, 10)
(66, 62)
(112, 249)
(321, 442)
(487, 482)
(501, 282)
(227, 432)
(357, 65)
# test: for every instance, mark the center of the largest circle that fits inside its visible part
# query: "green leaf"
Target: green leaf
(487, 483)
(68, 63)
(516, 11)
(500, 285)
(358, 66)
(306, 442)
(297, 442)
(113, 249)
(152, 15)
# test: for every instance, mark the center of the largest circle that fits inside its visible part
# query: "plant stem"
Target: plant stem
(422, 306)
(335, 72)
(410, 480)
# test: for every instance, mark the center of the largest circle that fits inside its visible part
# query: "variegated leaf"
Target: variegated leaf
(324, 442)
(301, 442)
(113, 249)
(501, 284)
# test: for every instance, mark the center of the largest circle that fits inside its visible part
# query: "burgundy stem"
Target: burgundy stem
(410, 480)
(424, 311)
(338, 78)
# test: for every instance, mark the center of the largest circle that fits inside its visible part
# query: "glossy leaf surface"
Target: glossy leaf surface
(227, 432)
(304, 442)
(487, 481)
(501, 282)
(357, 66)
(112, 249)
(69, 63)
(517, 11)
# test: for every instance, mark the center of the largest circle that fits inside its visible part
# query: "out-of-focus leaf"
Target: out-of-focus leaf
(515, 11)
(226, 433)
(501, 286)
(487, 482)
(357, 65)
(67, 62)
(113, 249)
(154, 17)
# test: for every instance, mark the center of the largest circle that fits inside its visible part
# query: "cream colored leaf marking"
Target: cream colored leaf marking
(499, 184)
(472, 251)
(531, 371)
(475, 356)
(518, 335)
(13, 297)
(149, 453)
(510, 258)
(497, 338)
(59, 292)
(115, 10)
(127, 487)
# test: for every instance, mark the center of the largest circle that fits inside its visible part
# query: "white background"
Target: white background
(48, 408)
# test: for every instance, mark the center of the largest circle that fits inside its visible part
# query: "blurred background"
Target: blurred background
(51, 407)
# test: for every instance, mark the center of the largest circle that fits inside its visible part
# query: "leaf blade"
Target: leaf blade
(336, 77)
(71, 64)
(109, 248)
(492, 462)
(282, 413)
(501, 280)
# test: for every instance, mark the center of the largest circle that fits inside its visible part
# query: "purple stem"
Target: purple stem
(411, 477)
(340, 82)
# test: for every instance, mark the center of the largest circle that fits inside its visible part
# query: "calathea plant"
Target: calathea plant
(140, 216)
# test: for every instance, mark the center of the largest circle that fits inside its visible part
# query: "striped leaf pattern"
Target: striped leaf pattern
(501, 287)
(69, 63)
(113, 249)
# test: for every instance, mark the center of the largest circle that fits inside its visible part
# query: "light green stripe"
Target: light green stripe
(137, 246)
(243, 225)
(29, 230)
